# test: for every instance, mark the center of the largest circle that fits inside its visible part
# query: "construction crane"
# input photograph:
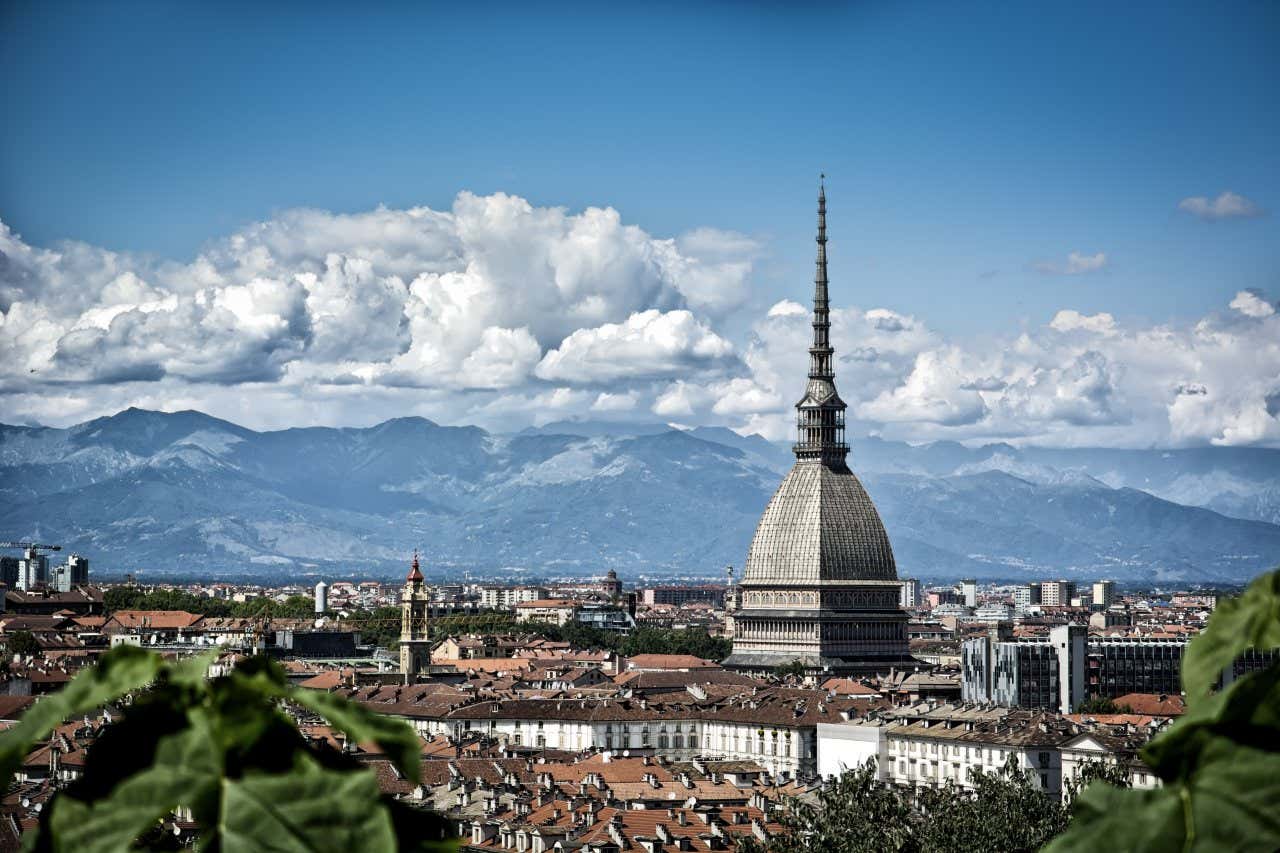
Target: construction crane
(37, 566)
(31, 546)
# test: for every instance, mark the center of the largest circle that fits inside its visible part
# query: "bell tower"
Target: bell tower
(415, 624)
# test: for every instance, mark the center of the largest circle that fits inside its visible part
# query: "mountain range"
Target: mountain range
(184, 494)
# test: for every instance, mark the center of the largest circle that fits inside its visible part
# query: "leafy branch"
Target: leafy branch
(223, 751)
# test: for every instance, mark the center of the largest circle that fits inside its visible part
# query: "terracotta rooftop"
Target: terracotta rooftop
(676, 662)
(153, 619)
(1153, 704)
(848, 687)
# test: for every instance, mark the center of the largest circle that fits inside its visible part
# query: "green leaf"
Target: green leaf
(1228, 804)
(1109, 818)
(1247, 712)
(1233, 799)
(120, 671)
(187, 769)
(310, 810)
(193, 671)
(394, 737)
(1251, 621)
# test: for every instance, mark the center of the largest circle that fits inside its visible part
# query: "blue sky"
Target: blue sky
(960, 140)
(969, 148)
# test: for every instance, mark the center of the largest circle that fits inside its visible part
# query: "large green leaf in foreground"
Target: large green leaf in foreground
(392, 736)
(119, 671)
(1251, 621)
(186, 766)
(223, 751)
(310, 810)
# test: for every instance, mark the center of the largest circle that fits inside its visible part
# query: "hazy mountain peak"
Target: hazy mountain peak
(182, 491)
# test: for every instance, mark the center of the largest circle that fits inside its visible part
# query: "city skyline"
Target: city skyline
(562, 427)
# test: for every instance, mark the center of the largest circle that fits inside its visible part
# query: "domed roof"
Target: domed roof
(820, 526)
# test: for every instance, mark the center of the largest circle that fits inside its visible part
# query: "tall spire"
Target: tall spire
(820, 414)
(821, 305)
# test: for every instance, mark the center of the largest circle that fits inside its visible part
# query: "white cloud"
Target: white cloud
(606, 402)
(1251, 304)
(1068, 320)
(680, 399)
(787, 308)
(651, 344)
(504, 314)
(1227, 205)
(744, 397)
(712, 268)
(933, 392)
(468, 298)
(1077, 264)
(503, 359)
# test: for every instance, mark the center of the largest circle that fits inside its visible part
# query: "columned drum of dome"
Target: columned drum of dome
(820, 586)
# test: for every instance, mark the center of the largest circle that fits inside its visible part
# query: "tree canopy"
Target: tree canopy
(641, 641)
(135, 598)
(22, 643)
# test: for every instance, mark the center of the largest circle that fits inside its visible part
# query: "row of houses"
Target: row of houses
(930, 745)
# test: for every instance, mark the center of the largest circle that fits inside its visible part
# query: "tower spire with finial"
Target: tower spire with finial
(820, 413)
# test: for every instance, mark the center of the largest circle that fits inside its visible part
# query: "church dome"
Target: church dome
(819, 526)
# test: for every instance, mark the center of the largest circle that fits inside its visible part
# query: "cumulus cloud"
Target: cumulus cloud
(649, 344)
(787, 308)
(501, 313)
(1077, 263)
(1078, 379)
(681, 399)
(1069, 320)
(607, 402)
(1252, 304)
(1227, 205)
(934, 391)
(743, 396)
(470, 298)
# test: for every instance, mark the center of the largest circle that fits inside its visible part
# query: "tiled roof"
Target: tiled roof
(670, 662)
(11, 707)
(1153, 704)
(152, 619)
(848, 687)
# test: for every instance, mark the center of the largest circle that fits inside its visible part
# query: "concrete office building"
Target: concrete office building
(1057, 593)
(1026, 595)
(1026, 673)
(911, 594)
